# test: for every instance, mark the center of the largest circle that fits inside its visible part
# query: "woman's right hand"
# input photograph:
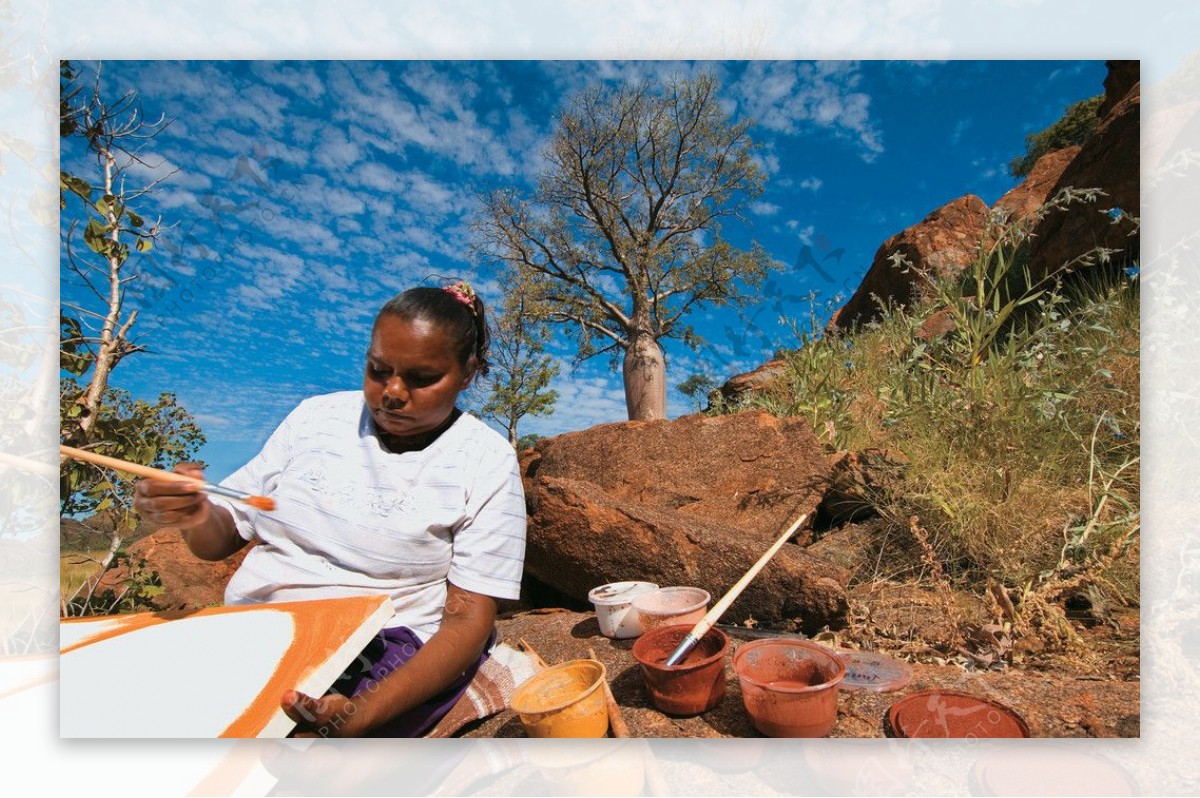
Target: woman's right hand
(168, 503)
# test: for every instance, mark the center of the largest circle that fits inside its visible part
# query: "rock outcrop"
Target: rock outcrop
(694, 501)
(944, 243)
(1036, 188)
(1109, 161)
(187, 581)
(755, 381)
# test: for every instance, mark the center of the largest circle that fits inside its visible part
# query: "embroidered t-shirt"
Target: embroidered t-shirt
(354, 518)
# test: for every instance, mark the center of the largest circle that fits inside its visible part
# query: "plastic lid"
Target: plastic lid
(870, 670)
(948, 713)
(619, 592)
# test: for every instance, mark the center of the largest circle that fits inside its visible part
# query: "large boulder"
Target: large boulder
(187, 581)
(944, 243)
(1109, 161)
(752, 382)
(693, 501)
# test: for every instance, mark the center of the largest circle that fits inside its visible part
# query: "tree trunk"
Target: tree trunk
(645, 374)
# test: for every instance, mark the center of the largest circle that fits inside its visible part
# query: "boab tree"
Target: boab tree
(621, 238)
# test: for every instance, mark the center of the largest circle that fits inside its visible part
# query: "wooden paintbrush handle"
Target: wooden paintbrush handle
(129, 468)
(714, 615)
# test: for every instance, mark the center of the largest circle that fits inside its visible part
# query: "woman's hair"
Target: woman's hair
(455, 309)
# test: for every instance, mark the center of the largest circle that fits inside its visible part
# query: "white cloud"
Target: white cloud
(790, 97)
(762, 208)
(813, 184)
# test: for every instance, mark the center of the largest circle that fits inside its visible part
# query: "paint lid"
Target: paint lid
(619, 592)
(949, 713)
(870, 670)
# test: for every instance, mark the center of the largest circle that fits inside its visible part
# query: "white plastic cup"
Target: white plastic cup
(614, 607)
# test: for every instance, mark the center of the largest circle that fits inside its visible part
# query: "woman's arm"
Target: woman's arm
(207, 529)
(467, 622)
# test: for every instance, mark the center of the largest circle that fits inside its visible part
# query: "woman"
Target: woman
(390, 491)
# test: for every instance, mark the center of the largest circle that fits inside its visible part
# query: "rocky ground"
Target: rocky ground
(1068, 698)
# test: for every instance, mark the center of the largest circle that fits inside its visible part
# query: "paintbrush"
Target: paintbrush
(700, 629)
(257, 502)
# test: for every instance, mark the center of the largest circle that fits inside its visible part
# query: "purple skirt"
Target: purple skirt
(386, 652)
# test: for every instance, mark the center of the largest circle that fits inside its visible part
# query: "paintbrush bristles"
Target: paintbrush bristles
(260, 503)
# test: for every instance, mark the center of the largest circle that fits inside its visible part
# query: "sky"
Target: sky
(297, 197)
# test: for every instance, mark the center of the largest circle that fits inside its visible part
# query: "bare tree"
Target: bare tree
(622, 237)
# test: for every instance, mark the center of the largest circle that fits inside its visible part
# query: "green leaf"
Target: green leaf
(104, 204)
(144, 245)
(135, 220)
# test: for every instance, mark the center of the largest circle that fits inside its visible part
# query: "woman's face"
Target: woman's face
(412, 377)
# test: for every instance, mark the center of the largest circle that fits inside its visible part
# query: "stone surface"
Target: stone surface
(694, 501)
(755, 381)
(1109, 161)
(1035, 189)
(187, 581)
(943, 243)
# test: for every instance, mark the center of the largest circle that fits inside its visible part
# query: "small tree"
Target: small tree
(697, 388)
(1076, 126)
(622, 237)
(522, 372)
(110, 231)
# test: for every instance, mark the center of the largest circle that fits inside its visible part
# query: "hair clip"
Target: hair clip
(464, 293)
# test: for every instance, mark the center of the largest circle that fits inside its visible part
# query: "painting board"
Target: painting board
(216, 672)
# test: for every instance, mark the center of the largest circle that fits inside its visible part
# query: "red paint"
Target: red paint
(789, 687)
(696, 684)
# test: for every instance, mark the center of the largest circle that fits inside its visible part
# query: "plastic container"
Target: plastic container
(669, 606)
(789, 686)
(693, 686)
(564, 700)
(614, 607)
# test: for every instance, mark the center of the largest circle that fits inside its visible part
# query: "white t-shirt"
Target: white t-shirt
(354, 518)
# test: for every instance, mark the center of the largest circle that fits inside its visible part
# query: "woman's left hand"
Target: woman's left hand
(328, 716)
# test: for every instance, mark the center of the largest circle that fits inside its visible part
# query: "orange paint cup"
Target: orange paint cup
(565, 700)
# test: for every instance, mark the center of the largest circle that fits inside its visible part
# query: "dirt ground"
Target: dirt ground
(1091, 691)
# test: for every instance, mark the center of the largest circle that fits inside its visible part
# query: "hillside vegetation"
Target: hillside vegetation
(997, 421)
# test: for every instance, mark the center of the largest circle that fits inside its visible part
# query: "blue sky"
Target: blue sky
(308, 193)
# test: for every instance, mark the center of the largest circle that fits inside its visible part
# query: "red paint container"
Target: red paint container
(949, 713)
(693, 686)
(789, 687)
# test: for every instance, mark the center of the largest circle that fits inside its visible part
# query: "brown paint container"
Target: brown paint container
(693, 686)
(789, 687)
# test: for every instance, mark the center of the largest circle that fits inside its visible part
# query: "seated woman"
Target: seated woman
(391, 491)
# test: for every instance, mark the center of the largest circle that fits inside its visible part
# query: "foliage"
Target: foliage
(94, 596)
(697, 388)
(528, 441)
(159, 434)
(102, 233)
(521, 373)
(622, 237)
(1075, 126)
(1012, 440)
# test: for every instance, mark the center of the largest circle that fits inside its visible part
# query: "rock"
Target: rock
(751, 382)
(939, 324)
(1109, 161)
(187, 581)
(1035, 189)
(856, 481)
(694, 501)
(1121, 78)
(944, 243)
